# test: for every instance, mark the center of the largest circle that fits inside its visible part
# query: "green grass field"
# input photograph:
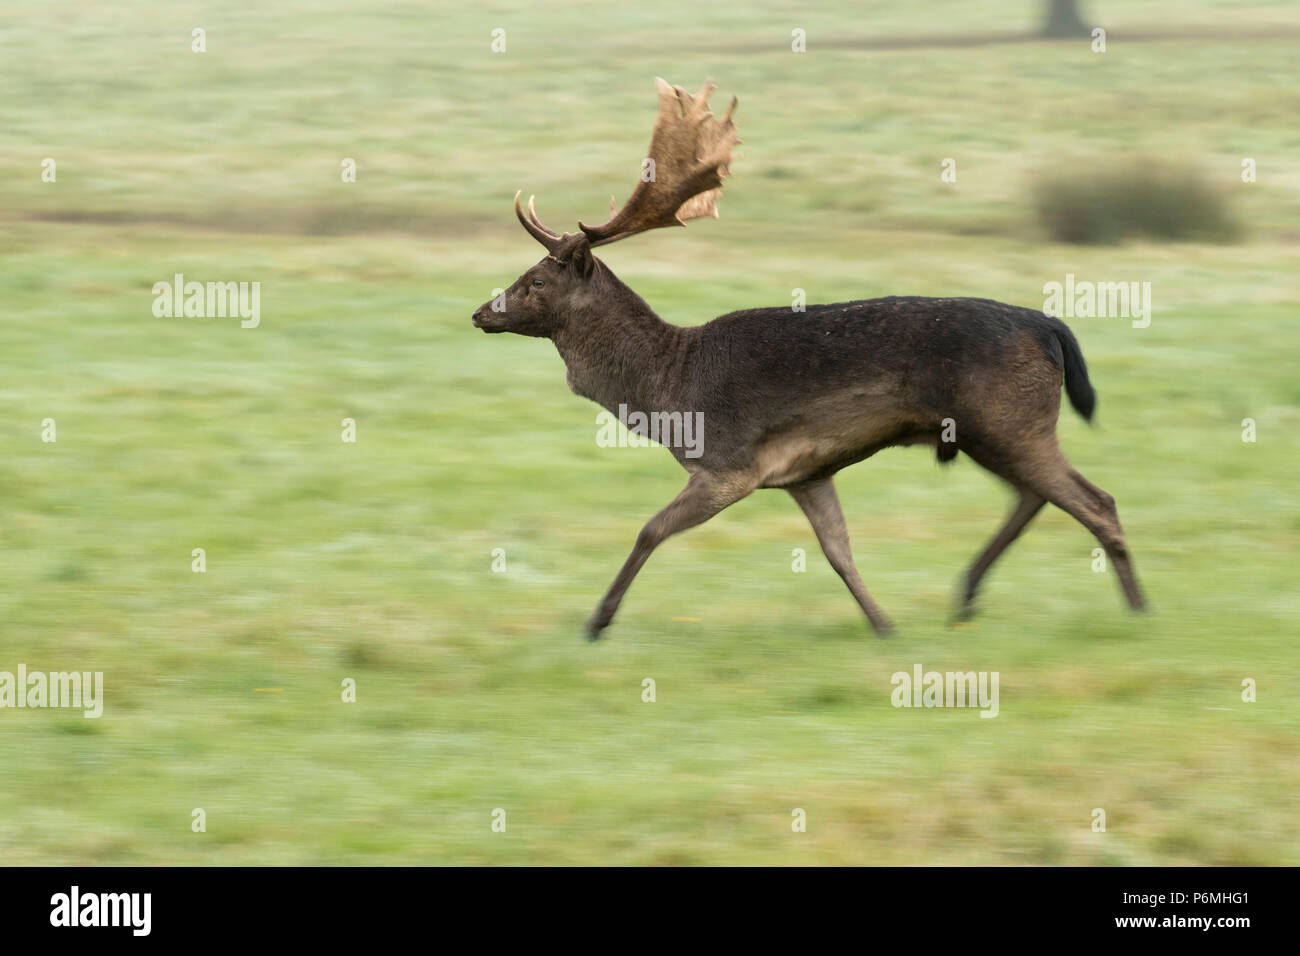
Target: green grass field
(373, 561)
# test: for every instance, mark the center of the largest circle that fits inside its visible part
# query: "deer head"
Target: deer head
(690, 152)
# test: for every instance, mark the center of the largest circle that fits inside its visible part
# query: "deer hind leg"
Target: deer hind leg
(821, 506)
(702, 498)
(1030, 503)
(1095, 510)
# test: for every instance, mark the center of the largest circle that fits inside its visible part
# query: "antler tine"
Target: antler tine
(735, 101)
(532, 214)
(534, 225)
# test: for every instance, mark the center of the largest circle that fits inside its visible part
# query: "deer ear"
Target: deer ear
(582, 260)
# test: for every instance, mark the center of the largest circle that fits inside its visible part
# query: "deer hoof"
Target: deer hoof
(962, 615)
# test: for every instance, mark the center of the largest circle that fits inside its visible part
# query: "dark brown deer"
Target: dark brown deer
(788, 399)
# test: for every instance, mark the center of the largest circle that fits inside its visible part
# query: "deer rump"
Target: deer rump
(821, 389)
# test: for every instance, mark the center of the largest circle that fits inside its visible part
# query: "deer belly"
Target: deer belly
(795, 457)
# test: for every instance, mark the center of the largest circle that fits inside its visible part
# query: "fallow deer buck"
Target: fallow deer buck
(788, 399)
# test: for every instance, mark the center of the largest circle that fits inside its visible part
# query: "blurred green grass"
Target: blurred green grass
(372, 561)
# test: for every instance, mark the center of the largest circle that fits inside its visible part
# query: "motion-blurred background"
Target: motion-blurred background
(373, 561)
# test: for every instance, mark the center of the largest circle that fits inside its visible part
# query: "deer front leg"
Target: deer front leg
(703, 497)
(821, 506)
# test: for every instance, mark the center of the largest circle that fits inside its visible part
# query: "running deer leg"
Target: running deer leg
(702, 498)
(822, 507)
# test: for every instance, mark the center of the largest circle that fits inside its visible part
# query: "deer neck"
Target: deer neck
(625, 356)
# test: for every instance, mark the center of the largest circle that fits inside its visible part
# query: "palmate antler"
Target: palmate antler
(690, 152)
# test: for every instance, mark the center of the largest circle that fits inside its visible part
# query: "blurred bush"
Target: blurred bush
(1087, 204)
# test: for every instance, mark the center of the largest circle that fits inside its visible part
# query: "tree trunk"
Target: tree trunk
(1063, 19)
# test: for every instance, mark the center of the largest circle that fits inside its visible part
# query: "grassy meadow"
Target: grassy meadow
(373, 560)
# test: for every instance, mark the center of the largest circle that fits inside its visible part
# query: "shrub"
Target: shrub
(1143, 198)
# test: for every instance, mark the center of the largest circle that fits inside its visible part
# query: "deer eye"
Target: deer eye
(538, 283)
